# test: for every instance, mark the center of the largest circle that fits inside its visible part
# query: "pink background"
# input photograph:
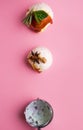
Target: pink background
(61, 85)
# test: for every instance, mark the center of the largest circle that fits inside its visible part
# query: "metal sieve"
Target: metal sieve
(38, 113)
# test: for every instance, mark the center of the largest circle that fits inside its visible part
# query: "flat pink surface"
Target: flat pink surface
(61, 85)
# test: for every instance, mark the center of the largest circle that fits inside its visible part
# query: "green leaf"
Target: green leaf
(28, 19)
(40, 15)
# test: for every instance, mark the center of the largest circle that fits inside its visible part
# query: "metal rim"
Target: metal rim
(50, 110)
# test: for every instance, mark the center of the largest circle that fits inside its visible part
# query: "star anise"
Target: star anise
(35, 57)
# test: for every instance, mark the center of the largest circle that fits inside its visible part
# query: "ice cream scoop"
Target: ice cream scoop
(40, 58)
(38, 17)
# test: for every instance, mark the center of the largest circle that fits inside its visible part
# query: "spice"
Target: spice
(36, 58)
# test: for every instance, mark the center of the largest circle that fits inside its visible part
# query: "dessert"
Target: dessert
(40, 59)
(38, 17)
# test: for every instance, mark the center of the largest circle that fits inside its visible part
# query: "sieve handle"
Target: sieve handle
(38, 128)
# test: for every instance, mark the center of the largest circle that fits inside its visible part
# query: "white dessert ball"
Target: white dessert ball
(40, 58)
(38, 17)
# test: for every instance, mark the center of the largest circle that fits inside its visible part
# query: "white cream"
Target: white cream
(44, 7)
(44, 52)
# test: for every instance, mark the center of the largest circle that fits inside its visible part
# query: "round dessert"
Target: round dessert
(40, 59)
(38, 17)
(38, 113)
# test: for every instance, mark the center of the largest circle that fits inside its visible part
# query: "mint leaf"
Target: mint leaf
(40, 15)
(28, 19)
